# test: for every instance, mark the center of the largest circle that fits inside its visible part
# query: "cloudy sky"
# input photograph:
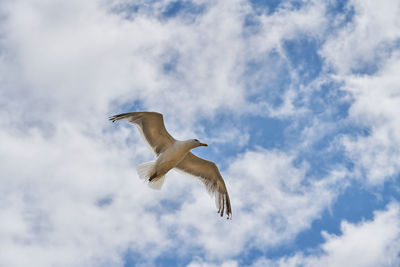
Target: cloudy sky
(298, 100)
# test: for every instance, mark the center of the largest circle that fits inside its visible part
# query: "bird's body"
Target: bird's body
(172, 153)
(172, 156)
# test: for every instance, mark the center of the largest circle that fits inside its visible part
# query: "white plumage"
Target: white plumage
(173, 153)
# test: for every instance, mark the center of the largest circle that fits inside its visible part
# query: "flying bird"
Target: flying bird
(175, 154)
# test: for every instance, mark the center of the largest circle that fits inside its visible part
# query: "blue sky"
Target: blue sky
(298, 101)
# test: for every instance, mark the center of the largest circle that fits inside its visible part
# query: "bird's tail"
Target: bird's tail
(146, 170)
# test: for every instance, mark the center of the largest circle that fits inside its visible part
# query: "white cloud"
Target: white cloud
(87, 55)
(288, 23)
(369, 243)
(267, 194)
(93, 58)
(367, 44)
(373, 30)
(51, 201)
(376, 101)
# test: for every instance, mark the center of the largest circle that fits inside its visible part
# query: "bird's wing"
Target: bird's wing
(209, 174)
(151, 126)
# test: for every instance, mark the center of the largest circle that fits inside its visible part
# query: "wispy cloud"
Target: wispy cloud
(369, 243)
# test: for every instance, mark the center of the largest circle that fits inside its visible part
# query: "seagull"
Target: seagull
(175, 154)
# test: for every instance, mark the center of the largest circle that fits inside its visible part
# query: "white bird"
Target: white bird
(176, 154)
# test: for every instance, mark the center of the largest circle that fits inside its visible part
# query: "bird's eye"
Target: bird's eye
(196, 140)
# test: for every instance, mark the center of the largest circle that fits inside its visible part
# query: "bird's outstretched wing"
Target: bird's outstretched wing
(151, 126)
(209, 174)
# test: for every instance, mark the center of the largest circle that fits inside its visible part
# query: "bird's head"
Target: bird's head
(197, 143)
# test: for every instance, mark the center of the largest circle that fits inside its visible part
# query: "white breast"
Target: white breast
(172, 156)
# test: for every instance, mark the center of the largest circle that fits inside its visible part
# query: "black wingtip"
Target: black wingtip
(112, 118)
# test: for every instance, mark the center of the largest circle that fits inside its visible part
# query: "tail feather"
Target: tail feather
(157, 183)
(146, 170)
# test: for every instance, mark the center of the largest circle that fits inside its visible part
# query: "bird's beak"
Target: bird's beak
(202, 144)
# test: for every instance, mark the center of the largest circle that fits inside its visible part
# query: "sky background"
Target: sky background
(298, 100)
